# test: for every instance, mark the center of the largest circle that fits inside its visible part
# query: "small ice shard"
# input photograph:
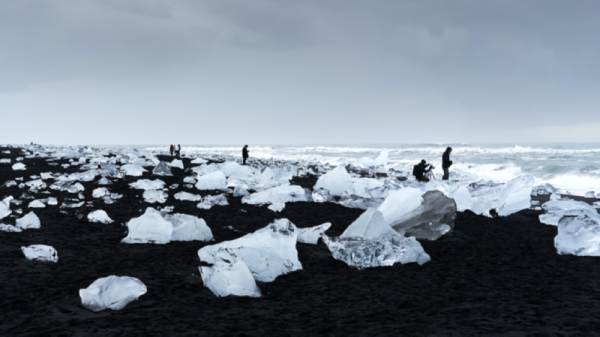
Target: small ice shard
(336, 181)
(363, 253)
(29, 221)
(578, 235)
(283, 193)
(268, 252)
(151, 227)
(5, 208)
(589, 194)
(75, 188)
(209, 201)
(104, 181)
(100, 192)
(185, 196)
(36, 204)
(543, 190)
(189, 180)
(312, 234)
(99, 216)
(162, 169)
(174, 186)
(10, 183)
(432, 219)
(229, 276)
(399, 203)
(369, 225)
(556, 209)
(36, 184)
(188, 228)
(81, 196)
(199, 161)
(40, 253)
(18, 166)
(240, 191)
(212, 181)
(152, 196)
(72, 204)
(277, 206)
(133, 170)
(9, 228)
(145, 184)
(113, 292)
(177, 163)
(5, 161)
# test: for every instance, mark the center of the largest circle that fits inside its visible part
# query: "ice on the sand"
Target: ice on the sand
(36, 204)
(556, 209)
(145, 184)
(369, 225)
(188, 228)
(104, 181)
(177, 163)
(162, 169)
(99, 216)
(189, 180)
(9, 228)
(133, 170)
(283, 193)
(100, 192)
(18, 167)
(363, 253)
(212, 181)
(152, 196)
(229, 275)
(506, 199)
(199, 161)
(337, 181)
(5, 208)
(543, 190)
(432, 219)
(112, 292)
(268, 252)
(75, 188)
(185, 196)
(240, 191)
(399, 203)
(29, 221)
(5, 161)
(590, 194)
(40, 253)
(209, 201)
(277, 206)
(578, 235)
(151, 227)
(312, 234)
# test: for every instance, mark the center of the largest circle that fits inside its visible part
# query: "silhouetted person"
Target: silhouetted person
(245, 153)
(446, 163)
(178, 150)
(172, 148)
(420, 169)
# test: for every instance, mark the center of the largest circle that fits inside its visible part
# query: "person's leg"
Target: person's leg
(446, 174)
(244, 161)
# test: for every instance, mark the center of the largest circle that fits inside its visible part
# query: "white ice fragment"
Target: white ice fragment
(199, 161)
(312, 234)
(99, 216)
(369, 225)
(37, 184)
(152, 196)
(229, 276)
(29, 221)
(212, 181)
(185, 196)
(209, 201)
(145, 184)
(177, 163)
(283, 193)
(337, 181)
(100, 192)
(9, 228)
(506, 199)
(18, 166)
(133, 170)
(40, 253)
(277, 206)
(382, 159)
(556, 209)
(589, 194)
(113, 292)
(268, 252)
(189, 180)
(188, 228)
(398, 203)
(5, 208)
(240, 191)
(162, 169)
(36, 204)
(149, 228)
(5, 161)
(578, 235)
(75, 188)
(46, 175)
(104, 181)
(555, 196)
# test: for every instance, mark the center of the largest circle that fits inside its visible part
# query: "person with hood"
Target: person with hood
(178, 150)
(446, 163)
(421, 169)
(245, 153)
(172, 148)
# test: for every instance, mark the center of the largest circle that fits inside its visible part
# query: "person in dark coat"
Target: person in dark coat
(178, 150)
(172, 148)
(245, 153)
(446, 163)
(420, 169)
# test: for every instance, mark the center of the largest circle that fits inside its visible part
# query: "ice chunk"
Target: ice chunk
(462, 197)
(336, 181)
(152, 196)
(149, 228)
(187, 196)
(543, 190)
(283, 193)
(72, 205)
(229, 276)
(29, 221)
(555, 196)
(9, 228)
(18, 166)
(40, 253)
(268, 252)
(240, 191)
(145, 184)
(556, 209)
(100, 192)
(162, 169)
(133, 170)
(189, 180)
(363, 253)
(399, 203)
(5, 208)
(312, 234)
(506, 199)
(5, 161)
(578, 235)
(199, 161)
(104, 181)
(36, 204)
(589, 194)
(432, 219)
(177, 163)
(37, 184)
(369, 225)
(229, 167)
(277, 206)
(113, 292)
(99, 216)
(188, 228)
(209, 201)
(212, 181)
(382, 159)
(75, 188)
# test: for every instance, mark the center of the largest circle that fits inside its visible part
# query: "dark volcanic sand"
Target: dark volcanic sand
(492, 276)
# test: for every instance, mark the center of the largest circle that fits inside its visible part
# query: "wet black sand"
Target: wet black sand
(493, 276)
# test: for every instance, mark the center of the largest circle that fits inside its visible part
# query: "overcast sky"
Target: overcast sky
(298, 72)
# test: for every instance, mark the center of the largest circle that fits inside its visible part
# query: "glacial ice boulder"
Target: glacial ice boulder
(363, 253)
(149, 228)
(177, 163)
(268, 252)
(283, 193)
(145, 184)
(229, 168)
(18, 167)
(112, 292)
(188, 228)
(229, 275)
(99, 216)
(189, 180)
(29, 221)
(506, 199)
(543, 190)
(336, 181)
(312, 234)
(40, 253)
(100, 192)
(36, 204)
(152, 196)
(556, 209)
(578, 235)
(162, 169)
(432, 219)
(399, 203)
(382, 159)
(75, 188)
(369, 225)
(185, 196)
(212, 200)
(590, 194)
(277, 206)
(5, 208)
(212, 181)
(133, 170)
(240, 191)
(9, 228)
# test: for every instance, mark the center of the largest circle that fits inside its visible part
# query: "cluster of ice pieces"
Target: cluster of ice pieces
(161, 228)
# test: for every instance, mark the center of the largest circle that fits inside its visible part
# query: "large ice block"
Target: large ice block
(209, 201)
(145, 184)
(112, 292)
(99, 216)
(382, 159)
(336, 181)
(152, 196)
(149, 228)
(506, 199)
(432, 219)
(40, 253)
(188, 228)
(312, 234)
(556, 209)
(283, 193)
(185, 196)
(162, 169)
(133, 170)
(369, 225)
(29, 221)
(177, 163)
(229, 275)
(212, 181)
(399, 203)
(578, 235)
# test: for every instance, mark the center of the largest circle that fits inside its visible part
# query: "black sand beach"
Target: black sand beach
(492, 276)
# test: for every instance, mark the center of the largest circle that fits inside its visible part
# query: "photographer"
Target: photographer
(421, 169)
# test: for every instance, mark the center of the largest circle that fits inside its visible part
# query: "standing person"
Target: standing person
(171, 148)
(446, 163)
(178, 150)
(245, 153)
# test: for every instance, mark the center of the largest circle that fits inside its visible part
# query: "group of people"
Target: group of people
(175, 149)
(421, 170)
